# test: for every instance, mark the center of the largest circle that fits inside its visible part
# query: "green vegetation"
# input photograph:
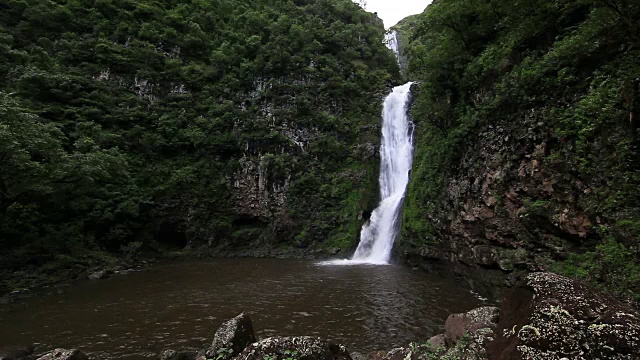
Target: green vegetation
(285, 355)
(228, 123)
(223, 353)
(568, 67)
(290, 355)
(611, 266)
(427, 351)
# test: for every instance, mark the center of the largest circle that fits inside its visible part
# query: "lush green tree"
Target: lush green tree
(140, 116)
(573, 64)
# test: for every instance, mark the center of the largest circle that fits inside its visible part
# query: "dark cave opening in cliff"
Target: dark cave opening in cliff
(172, 236)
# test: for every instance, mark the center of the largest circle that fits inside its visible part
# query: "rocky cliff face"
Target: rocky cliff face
(527, 143)
(514, 202)
(510, 205)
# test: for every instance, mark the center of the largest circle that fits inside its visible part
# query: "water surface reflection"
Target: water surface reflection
(137, 315)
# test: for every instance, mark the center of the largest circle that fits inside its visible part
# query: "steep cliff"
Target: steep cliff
(527, 154)
(228, 124)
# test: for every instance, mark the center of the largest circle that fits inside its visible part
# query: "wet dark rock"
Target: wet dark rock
(399, 354)
(232, 337)
(17, 353)
(553, 317)
(300, 348)
(177, 355)
(63, 354)
(98, 275)
(376, 355)
(358, 356)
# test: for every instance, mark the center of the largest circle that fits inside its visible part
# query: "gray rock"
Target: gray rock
(487, 315)
(358, 356)
(63, 354)
(437, 341)
(232, 337)
(299, 348)
(17, 353)
(98, 275)
(459, 325)
(400, 354)
(167, 355)
(177, 355)
(553, 317)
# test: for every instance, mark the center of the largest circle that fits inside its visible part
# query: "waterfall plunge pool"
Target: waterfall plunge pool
(180, 305)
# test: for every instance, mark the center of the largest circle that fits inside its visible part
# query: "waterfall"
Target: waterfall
(391, 40)
(396, 157)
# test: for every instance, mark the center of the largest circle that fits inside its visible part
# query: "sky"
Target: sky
(392, 11)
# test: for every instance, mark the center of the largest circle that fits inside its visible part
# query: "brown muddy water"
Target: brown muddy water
(180, 305)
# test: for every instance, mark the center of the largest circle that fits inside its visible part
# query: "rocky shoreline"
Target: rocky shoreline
(41, 282)
(546, 316)
(39, 279)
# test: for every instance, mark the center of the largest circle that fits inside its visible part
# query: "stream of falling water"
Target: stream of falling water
(391, 41)
(396, 157)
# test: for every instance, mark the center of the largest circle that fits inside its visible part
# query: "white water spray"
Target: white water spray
(396, 153)
(391, 40)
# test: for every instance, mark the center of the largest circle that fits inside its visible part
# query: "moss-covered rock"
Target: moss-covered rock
(302, 348)
(553, 317)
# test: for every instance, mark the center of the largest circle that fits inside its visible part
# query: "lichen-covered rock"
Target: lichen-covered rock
(459, 325)
(177, 355)
(232, 337)
(472, 346)
(400, 354)
(299, 348)
(412, 353)
(553, 317)
(456, 326)
(63, 354)
(487, 315)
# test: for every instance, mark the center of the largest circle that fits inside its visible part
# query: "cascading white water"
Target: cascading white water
(391, 40)
(396, 153)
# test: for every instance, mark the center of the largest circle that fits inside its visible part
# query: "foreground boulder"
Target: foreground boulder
(465, 338)
(460, 325)
(547, 317)
(231, 338)
(177, 355)
(299, 348)
(553, 317)
(63, 354)
(98, 275)
(17, 353)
